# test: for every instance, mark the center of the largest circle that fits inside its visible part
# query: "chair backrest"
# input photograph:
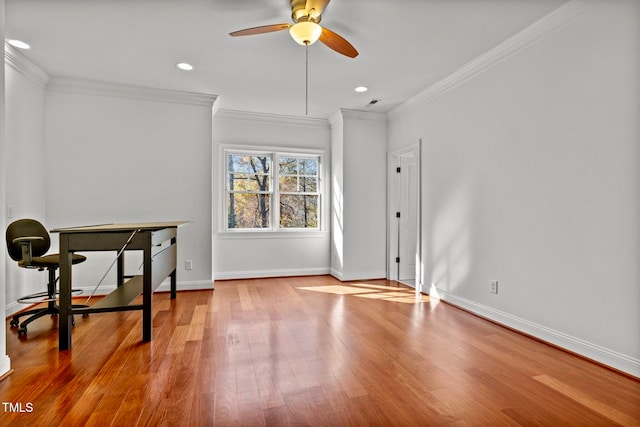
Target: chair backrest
(27, 228)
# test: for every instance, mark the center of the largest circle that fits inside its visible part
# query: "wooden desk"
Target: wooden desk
(145, 237)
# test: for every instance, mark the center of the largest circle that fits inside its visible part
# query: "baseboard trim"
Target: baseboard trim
(5, 367)
(14, 307)
(363, 275)
(259, 274)
(601, 355)
(186, 286)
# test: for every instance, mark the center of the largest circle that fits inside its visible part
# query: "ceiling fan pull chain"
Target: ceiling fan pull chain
(306, 83)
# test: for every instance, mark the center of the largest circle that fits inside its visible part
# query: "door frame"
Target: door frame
(393, 202)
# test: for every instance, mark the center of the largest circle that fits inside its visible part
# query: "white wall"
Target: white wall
(25, 168)
(337, 195)
(531, 177)
(5, 362)
(281, 254)
(129, 154)
(359, 195)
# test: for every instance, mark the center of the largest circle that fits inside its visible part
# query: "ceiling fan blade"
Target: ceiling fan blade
(337, 43)
(317, 5)
(260, 30)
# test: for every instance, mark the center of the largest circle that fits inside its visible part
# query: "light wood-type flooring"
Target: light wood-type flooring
(305, 351)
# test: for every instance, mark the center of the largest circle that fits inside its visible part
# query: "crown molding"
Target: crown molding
(118, 90)
(345, 113)
(25, 66)
(336, 118)
(563, 15)
(271, 118)
(362, 115)
(29, 69)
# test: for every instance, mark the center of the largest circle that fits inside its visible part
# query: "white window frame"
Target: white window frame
(274, 210)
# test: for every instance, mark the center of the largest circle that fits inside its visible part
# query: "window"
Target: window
(257, 183)
(248, 190)
(298, 192)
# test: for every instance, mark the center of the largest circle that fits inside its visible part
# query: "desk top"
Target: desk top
(141, 226)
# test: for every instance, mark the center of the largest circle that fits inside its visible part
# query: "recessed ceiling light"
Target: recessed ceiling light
(184, 66)
(361, 89)
(18, 43)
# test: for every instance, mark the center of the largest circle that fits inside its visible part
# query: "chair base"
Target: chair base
(37, 313)
(51, 308)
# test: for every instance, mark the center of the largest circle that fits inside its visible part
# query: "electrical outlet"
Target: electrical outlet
(493, 286)
(188, 265)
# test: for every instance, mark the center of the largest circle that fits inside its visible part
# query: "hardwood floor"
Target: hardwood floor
(305, 351)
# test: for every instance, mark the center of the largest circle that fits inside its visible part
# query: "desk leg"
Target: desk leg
(174, 280)
(120, 270)
(147, 292)
(64, 318)
(173, 284)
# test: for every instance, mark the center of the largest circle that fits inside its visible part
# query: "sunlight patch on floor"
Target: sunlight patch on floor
(364, 290)
(337, 289)
(404, 297)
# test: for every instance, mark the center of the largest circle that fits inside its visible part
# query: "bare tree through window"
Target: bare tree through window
(248, 191)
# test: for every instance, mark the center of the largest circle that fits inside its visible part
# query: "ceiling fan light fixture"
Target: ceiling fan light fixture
(305, 32)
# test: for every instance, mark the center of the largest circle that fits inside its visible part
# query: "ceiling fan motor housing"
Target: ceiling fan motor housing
(300, 13)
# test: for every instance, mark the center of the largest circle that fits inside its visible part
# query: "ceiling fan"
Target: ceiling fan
(305, 30)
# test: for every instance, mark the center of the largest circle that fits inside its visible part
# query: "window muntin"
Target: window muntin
(256, 182)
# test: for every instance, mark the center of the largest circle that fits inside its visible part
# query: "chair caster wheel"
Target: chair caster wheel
(22, 331)
(85, 314)
(14, 323)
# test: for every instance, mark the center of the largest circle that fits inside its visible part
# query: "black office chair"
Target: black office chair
(28, 242)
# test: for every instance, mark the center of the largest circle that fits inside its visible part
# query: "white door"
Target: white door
(407, 218)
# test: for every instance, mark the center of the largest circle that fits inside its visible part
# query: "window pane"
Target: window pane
(248, 210)
(308, 185)
(297, 211)
(248, 163)
(235, 163)
(289, 183)
(288, 165)
(309, 166)
(248, 182)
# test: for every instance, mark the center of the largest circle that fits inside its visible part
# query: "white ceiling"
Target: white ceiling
(405, 46)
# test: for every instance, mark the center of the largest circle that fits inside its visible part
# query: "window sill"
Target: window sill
(297, 234)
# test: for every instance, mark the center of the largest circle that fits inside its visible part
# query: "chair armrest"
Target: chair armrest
(25, 243)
